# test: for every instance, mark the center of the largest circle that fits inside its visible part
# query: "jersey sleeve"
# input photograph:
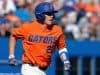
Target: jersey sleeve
(61, 42)
(19, 32)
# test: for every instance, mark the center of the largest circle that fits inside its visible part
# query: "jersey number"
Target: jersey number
(50, 49)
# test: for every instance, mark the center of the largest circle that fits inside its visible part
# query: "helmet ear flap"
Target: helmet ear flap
(40, 17)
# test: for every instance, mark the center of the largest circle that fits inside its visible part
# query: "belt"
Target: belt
(42, 68)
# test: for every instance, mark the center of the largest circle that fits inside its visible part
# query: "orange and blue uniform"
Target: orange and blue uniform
(39, 43)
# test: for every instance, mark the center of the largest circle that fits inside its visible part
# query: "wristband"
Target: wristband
(11, 56)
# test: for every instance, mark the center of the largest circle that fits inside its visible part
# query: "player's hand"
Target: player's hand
(13, 62)
(67, 65)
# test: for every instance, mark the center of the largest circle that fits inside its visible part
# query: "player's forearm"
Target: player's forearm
(12, 43)
(63, 54)
(64, 57)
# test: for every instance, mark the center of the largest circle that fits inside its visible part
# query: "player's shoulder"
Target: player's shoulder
(26, 24)
(57, 27)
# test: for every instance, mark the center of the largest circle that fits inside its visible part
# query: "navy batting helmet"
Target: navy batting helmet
(43, 8)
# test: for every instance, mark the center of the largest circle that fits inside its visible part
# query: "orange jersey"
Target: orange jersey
(39, 43)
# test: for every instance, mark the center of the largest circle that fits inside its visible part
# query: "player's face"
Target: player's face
(49, 18)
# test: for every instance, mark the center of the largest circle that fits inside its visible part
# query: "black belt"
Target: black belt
(42, 68)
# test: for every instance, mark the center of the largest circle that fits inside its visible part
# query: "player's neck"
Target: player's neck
(44, 25)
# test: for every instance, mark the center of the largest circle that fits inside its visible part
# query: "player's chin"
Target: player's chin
(49, 23)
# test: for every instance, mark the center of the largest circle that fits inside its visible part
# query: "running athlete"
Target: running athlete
(40, 38)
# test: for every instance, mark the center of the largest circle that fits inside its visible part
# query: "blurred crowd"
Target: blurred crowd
(80, 19)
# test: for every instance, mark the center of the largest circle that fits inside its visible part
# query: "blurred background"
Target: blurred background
(80, 20)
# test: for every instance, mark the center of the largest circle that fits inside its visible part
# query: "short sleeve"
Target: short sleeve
(19, 32)
(61, 42)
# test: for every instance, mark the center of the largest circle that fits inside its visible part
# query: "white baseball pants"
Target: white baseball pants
(27, 69)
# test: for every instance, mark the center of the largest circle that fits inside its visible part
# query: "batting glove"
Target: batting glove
(67, 65)
(12, 61)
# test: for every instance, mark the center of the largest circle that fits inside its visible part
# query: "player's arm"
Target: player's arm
(12, 43)
(63, 51)
(16, 33)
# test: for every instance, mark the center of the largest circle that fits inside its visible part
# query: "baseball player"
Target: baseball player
(40, 39)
